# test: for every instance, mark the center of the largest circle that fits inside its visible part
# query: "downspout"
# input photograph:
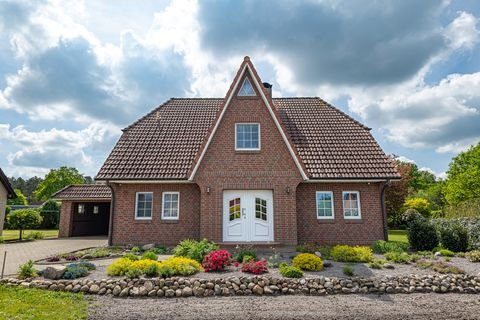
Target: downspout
(112, 210)
(384, 210)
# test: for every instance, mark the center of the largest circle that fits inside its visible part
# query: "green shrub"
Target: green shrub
(454, 237)
(23, 219)
(160, 249)
(308, 262)
(290, 271)
(241, 252)
(348, 270)
(87, 265)
(130, 256)
(425, 254)
(165, 271)
(274, 260)
(446, 253)
(376, 264)
(97, 253)
(248, 258)
(460, 254)
(152, 270)
(136, 250)
(440, 267)
(419, 204)
(27, 270)
(398, 257)
(472, 224)
(381, 246)
(150, 255)
(195, 250)
(310, 247)
(35, 235)
(346, 253)
(422, 234)
(473, 256)
(133, 273)
(77, 270)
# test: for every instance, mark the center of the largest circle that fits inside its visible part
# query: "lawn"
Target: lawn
(13, 234)
(19, 303)
(398, 235)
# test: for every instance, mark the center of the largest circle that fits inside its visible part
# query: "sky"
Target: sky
(74, 73)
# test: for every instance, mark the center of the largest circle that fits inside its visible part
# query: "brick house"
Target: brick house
(6, 192)
(245, 168)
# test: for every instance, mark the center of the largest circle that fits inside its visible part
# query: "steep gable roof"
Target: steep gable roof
(4, 180)
(169, 142)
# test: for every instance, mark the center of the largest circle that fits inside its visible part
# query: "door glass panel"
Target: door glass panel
(261, 209)
(234, 212)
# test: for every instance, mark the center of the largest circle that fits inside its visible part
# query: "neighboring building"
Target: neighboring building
(246, 168)
(6, 192)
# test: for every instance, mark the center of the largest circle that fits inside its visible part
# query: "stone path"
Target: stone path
(20, 252)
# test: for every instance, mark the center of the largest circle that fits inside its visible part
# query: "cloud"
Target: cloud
(327, 42)
(46, 149)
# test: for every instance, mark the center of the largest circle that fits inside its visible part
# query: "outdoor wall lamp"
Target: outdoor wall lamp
(208, 189)
(288, 190)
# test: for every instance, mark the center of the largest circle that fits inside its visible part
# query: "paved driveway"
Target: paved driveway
(20, 252)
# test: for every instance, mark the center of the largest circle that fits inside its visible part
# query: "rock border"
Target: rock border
(257, 285)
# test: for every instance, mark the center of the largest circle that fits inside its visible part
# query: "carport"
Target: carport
(85, 210)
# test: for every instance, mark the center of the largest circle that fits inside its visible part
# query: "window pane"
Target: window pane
(247, 136)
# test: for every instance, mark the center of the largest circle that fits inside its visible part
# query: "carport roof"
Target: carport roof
(84, 192)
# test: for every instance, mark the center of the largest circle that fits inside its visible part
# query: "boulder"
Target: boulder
(147, 247)
(54, 272)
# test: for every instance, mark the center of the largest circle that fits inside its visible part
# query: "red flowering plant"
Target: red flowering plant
(217, 260)
(255, 267)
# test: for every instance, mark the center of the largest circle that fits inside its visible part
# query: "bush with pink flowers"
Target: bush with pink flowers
(217, 260)
(255, 267)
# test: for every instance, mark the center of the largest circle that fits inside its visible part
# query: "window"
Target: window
(325, 205)
(170, 205)
(246, 90)
(351, 205)
(234, 205)
(261, 209)
(81, 208)
(95, 209)
(143, 205)
(247, 136)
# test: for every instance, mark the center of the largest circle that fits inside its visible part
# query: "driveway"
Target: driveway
(20, 252)
(339, 307)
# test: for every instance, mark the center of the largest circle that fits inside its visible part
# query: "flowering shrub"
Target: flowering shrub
(119, 267)
(346, 253)
(308, 262)
(182, 266)
(217, 260)
(150, 268)
(53, 259)
(255, 267)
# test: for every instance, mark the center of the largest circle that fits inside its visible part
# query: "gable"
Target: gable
(250, 109)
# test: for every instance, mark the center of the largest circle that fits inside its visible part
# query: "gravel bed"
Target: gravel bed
(340, 307)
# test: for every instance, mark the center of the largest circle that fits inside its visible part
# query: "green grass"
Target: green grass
(20, 303)
(397, 235)
(13, 234)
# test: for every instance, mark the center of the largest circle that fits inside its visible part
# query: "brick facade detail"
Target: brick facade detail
(66, 219)
(271, 168)
(339, 230)
(128, 230)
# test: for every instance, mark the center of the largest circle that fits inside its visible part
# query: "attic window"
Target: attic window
(246, 90)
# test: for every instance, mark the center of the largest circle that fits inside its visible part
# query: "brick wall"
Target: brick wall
(271, 168)
(66, 218)
(127, 230)
(339, 231)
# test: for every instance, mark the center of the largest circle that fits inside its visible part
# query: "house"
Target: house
(246, 168)
(6, 192)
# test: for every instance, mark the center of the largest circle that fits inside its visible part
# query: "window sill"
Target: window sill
(326, 221)
(169, 221)
(240, 151)
(353, 221)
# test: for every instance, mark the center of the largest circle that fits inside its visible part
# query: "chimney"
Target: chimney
(268, 86)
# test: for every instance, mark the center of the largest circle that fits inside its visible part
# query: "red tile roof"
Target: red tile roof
(163, 144)
(84, 191)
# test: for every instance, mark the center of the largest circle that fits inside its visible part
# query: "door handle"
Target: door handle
(243, 213)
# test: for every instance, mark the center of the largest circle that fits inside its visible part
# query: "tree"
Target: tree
(50, 212)
(396, 194)
(27, 186)
(24, 219)
(56, 180)
(20, 200)
(463, 177)
(420, 205)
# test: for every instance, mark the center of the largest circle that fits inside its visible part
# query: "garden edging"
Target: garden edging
(257, 285)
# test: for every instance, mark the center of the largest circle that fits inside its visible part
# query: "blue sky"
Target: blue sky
(73, 73)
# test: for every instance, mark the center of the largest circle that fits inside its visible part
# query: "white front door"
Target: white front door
(247, 215)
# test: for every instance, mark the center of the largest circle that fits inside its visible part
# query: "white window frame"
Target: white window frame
(259, 137)
(136, 206)
(359, 206)
(96, 209)
(163, 205)
(81, 205)
(254, 94)
(333, 206)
